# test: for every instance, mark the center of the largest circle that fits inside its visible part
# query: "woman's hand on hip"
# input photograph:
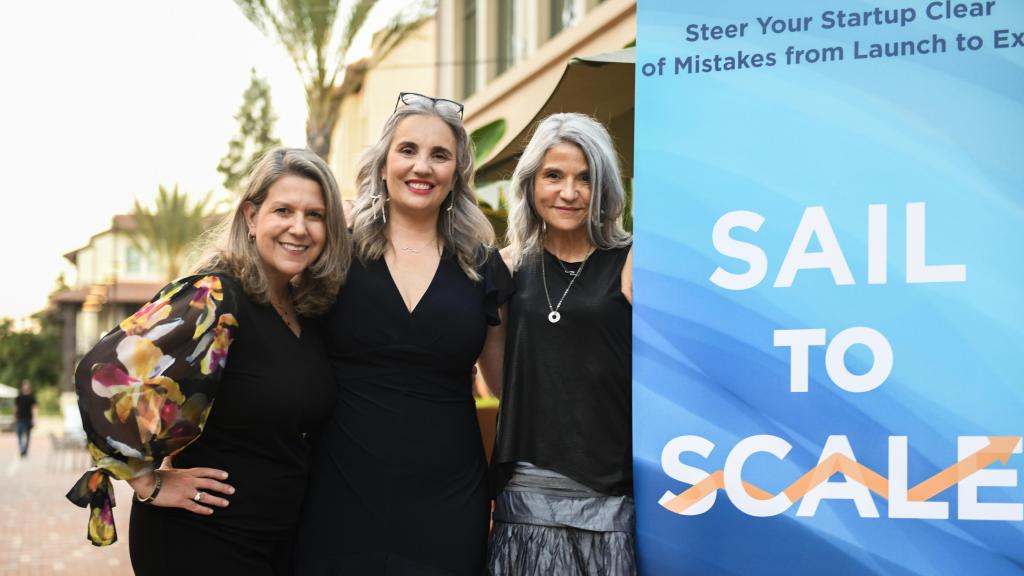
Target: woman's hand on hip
(198, 490)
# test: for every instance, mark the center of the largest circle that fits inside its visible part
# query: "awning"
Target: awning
(601, 86)
(130, 293)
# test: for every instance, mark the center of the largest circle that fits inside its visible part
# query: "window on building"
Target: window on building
(469, 49)
(132, 260)
(563, 15)
(506, 35)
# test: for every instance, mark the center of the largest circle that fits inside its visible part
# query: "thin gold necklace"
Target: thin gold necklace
(286, 316)
(411, 250)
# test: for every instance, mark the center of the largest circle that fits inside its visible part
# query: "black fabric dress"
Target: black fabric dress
(275, 391)
(398, 479)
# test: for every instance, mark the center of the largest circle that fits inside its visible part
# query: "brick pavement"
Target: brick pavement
(41, 533)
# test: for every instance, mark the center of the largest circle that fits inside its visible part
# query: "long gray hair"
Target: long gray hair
(228, 249)
(470, 229)
(607, 198)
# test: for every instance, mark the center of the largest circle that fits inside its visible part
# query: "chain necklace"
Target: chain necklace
(566, 270)
(554, 316)
(411, 250)
(286, 316)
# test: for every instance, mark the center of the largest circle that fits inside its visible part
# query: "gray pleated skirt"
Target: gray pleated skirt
(545, 523)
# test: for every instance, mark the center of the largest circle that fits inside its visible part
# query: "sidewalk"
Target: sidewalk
(41, 532)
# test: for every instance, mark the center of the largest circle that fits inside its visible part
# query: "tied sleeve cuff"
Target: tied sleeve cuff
(95, 490)
(146, 389)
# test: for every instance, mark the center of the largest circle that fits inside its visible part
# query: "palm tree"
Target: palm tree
(317, 35)
(171, 228)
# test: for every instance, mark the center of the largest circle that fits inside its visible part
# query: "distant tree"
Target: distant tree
(255, 134)
(317, 34)
(28, 354)
(32, 353)
(170, 229)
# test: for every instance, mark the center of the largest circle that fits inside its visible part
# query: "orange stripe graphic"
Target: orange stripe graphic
(1000, 448)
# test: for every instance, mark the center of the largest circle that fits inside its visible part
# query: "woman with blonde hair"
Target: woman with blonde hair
(563, 452)
(398, 482)
(224, 372)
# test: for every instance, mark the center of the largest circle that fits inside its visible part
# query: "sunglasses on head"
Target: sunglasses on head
(443, 105)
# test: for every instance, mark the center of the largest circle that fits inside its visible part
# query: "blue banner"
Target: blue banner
(829, 278)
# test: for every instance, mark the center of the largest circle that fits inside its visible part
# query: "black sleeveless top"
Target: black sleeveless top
(567, 398)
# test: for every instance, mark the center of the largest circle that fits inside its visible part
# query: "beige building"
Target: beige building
(501, 58)
(112, 278)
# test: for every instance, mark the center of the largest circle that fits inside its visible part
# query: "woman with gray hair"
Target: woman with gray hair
(399, 477)
(225, 371)
(563, 457)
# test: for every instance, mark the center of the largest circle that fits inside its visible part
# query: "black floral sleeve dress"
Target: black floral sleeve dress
(207, 375)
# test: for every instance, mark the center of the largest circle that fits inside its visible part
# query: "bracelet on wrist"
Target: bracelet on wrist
(157, 481)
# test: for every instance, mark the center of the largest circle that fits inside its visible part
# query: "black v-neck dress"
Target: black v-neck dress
(275, 391)
(398, 479)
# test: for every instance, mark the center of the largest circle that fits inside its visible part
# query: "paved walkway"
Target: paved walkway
(41, 533)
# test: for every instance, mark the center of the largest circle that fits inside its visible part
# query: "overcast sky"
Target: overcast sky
(102, 101)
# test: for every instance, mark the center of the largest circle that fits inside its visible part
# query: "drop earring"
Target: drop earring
(451, 215)
(383, 197)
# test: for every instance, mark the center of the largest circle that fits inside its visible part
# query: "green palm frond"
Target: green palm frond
(356, 19)
(317, 35)
(169, 230)
(486, 137)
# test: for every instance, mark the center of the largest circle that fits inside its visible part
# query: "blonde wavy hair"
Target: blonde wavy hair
(471, 232)
(227, 248)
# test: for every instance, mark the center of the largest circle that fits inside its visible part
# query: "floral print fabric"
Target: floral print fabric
(146, 388)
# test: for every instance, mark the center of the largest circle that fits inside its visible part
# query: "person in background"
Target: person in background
(562, 460)
(224, 371)
(24, 416)
(399, 477)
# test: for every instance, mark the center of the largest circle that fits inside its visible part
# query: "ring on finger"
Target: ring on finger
(198, 497)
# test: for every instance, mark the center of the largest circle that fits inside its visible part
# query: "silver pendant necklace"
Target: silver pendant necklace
(553, 315)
